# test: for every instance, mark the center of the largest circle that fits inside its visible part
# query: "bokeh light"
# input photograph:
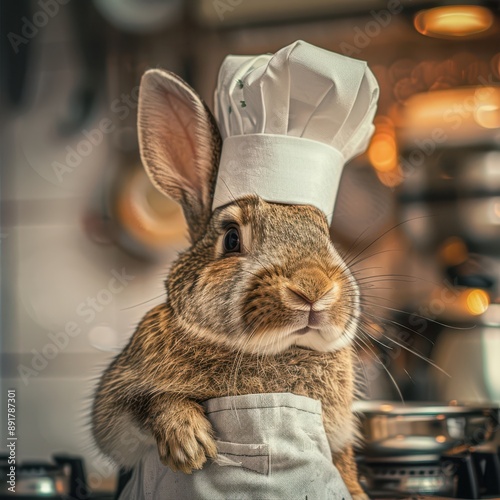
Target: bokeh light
(477, 301)
(453, 21)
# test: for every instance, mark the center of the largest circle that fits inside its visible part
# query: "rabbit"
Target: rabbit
(261, 302)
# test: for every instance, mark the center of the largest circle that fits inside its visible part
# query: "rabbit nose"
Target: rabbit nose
(306, 301)
(301, 295)
(310, 289)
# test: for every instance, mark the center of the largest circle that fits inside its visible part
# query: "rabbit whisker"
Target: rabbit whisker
(410, 350)
(373, 304)
(349, 261)
(355, 272)
(378, 360)
(362, 329)
(396, 323)
(163, 294)
(381, 252)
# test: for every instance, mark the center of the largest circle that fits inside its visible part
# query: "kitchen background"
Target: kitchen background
(86, 241)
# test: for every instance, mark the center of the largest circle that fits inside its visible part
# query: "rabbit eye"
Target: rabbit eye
(231, 241)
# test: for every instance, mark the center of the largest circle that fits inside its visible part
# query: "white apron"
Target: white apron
(271, 447)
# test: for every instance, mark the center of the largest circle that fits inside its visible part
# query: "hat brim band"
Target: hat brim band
(279, 169)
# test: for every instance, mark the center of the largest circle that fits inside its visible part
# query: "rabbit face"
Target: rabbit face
(266, 277)
(260, 277)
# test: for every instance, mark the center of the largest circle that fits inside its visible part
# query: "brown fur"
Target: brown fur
(230, 323)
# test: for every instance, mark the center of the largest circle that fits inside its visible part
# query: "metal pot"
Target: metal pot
(396, 429)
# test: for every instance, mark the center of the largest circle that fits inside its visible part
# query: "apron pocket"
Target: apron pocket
(253, 457)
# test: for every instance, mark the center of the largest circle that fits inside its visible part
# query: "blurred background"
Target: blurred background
(86, 241)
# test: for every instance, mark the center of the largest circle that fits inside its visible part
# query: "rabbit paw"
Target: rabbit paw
(186, 440)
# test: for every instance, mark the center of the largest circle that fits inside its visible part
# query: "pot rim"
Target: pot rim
(395, 409)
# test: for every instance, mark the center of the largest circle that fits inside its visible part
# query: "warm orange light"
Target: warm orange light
(147, 215)
(496, 208)
(477, 301)
(386, 407)
(454, 251)
(440, 115)
(383, 152)
(453, 21)
(488, 116)
(441, 439)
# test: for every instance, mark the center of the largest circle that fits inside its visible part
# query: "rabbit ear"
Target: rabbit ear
(180, 145)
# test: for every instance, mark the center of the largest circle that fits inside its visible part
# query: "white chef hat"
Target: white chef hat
(289, 122)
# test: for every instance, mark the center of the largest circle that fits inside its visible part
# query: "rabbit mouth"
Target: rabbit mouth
(302, 331)
(314, 322)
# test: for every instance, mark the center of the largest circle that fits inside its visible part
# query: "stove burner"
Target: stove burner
(63, 478)
(393, 478)
(466, 475)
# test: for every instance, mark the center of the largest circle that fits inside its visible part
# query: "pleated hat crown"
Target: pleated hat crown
(289, 122)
